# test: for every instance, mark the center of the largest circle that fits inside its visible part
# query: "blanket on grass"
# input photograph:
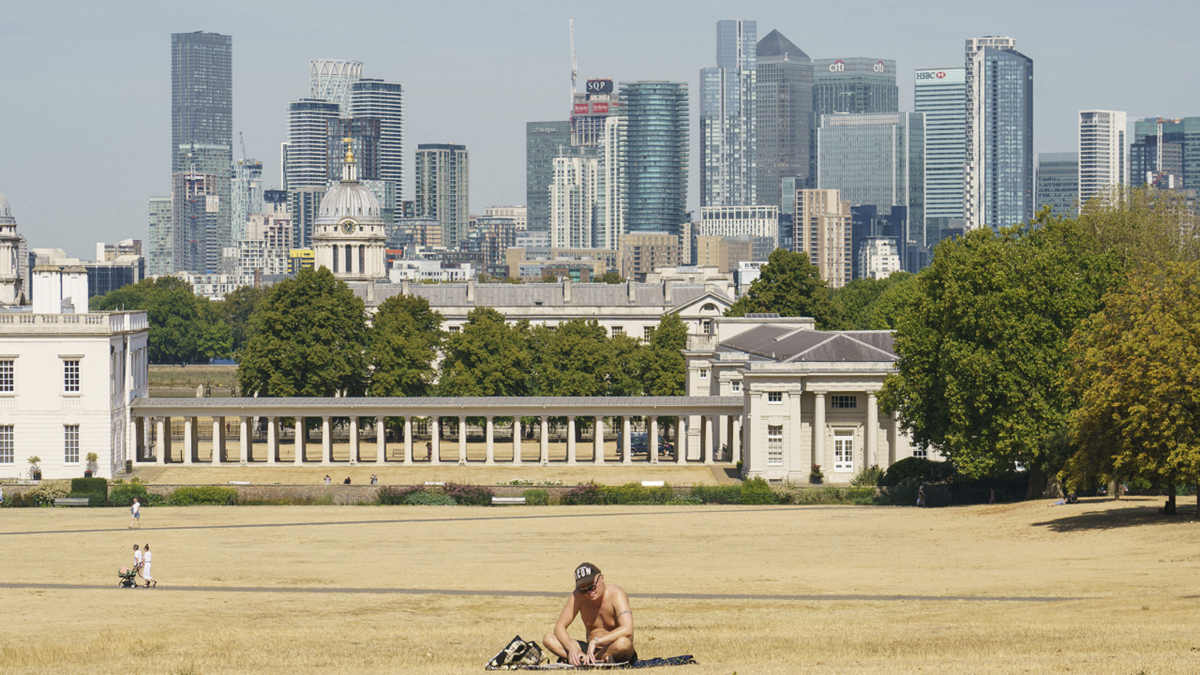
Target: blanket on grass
(527, 655)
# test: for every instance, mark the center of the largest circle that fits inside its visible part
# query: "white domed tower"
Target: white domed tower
(349, 234)
(11, 290)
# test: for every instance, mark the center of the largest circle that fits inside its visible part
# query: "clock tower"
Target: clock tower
(349, 234)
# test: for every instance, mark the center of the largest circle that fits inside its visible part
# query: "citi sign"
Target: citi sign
(838, 66)
(931, 74)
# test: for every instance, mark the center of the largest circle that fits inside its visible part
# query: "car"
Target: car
(638, 443)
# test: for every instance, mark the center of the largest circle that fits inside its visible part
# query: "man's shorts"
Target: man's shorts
(632, 657)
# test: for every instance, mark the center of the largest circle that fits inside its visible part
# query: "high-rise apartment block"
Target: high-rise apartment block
(330, 80)
(644, 252)
(784, 78)
(1058, 183)
(161, 253)
(998, 170)
(940, 95)
(247, 194)
(518, 214)
(823, 231)
(1102, 161)
(727, 118)
(382, 101)
(364, 137)
(308, 143)
(442, 188)
(738, 221)
(572, 201)
(543, 143)
(591, 109)
(202, 123)
(655, 158)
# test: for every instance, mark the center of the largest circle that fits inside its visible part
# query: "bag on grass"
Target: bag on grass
(517, 653)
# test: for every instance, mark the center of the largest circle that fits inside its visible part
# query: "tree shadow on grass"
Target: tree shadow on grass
(1134, 512)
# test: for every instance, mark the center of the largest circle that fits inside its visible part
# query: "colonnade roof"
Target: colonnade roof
(468, 406)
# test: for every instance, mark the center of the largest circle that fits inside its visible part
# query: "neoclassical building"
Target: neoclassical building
(11, 291)
(349, 233)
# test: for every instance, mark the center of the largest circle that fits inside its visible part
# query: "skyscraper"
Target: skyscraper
(1102, 160)
(822, 228)
(656, 156)
(940, 95)
(307, 147)
(202, 119)
(384, 101)
(543, 141)
(784, 78)
(727, 118)
(1166, 153)
(998, 170)
(364, 135)
(247, 195)
(572, 201)
(853, 85)
(590, 110)
(161, 254)
(1058, 183)
(442, 179)
(330, 80)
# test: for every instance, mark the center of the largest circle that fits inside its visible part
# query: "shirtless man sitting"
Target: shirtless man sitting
(606, 616)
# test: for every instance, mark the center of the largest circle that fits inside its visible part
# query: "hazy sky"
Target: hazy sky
(85, 116)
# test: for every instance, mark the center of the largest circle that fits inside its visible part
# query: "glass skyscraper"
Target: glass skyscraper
(852, 86)
(784, 106)
(543, 142)
(1102, 155)
(443, 189)
(727, 118)
(383, 101)
(1058, 183)
(656, 156)
(940, 95)
(1180, 153)
(202, 122)
(998, 171)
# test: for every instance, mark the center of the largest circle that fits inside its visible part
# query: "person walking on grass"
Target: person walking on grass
(146, 567)
(138, 560)
(136, 514)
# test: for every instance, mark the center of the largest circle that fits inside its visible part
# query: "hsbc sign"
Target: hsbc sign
(946, 76)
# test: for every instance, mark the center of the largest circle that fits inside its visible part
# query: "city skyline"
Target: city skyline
(518, 62)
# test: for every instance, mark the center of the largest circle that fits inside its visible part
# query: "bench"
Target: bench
(507, 501)
(71, 501)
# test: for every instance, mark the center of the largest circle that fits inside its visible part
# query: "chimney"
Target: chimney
(471, 291)
(566, 290)
(47, 289)
(667, 293)
(404, 287)
(632, 291)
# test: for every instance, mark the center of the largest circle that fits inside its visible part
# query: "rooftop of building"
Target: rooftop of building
(501, 295)
(776, 46)
(787, 344)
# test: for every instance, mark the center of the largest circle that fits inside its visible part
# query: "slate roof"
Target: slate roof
(775, 45)
(790, 345)
(547, 295)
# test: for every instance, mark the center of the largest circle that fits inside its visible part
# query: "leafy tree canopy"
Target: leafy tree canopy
(237, 308)
(576, 358)
(790, 285)
(664, 371)
(184, 328)
(487, 357)
(610, 277)
(308, 338)
(403, 346)
(874, 304)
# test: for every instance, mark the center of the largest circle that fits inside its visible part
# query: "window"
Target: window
(843, 401)
(6, 444)
(71, 375)
(843, 450)
(737, 386)
(618, 330)
(774, 445)
(452, 329)
(71, 444)
(6, 376)
(706, 325)
(704, 373)
(774, 397)
(646, 331)
(920, 452)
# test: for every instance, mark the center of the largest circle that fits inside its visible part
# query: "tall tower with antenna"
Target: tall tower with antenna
(574, 65)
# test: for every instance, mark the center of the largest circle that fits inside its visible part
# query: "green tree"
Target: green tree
(487, 357)
(609, 277)
(790, 285)
(574, 359)
(1137, 372)
(179, 320)
(860, 302)
(403, 344)
(237, 308)
(308, 338)
(984, 347)
(1142, 226)
(664, 371)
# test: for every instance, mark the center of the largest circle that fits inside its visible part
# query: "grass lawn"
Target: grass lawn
(440, 589)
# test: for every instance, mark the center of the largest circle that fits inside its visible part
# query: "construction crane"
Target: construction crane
(574, 67)
(243, 142)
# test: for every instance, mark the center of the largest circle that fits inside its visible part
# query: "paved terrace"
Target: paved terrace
(153, 439)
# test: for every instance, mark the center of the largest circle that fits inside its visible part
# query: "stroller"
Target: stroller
(128, 577)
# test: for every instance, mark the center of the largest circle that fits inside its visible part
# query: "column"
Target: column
(408, 445)
(516, 439)
(598, 442)
(491, 448)
(189, 439)
(872, 451)
(244, 432)
(544, 442)
(380, 439)
(354, 440)
(436, 457)
(570, 439)
(326, 441)
(218, 441)
(462, 440)
(682, 441)
(298, 443)
(894, 441)
(163, 440)
(626, 440)
(139, 442)
(652, 441)
(272, 440)
(734, 446)
(712, 425)
(819, 432)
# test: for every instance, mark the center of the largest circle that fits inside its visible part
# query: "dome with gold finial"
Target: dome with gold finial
(349, 198)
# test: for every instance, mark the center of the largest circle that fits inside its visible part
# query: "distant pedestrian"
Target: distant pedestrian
(992, 497)
(138, 559)
(327, 479)
(429, 451)
(921, 495)
(135, 514)
(374, 481)
(146, 568)
(347, 481)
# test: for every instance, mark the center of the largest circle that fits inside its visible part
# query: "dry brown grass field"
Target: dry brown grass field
(361, 589)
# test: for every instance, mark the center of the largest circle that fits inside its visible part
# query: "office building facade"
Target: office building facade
(202, 116)
(364, 141)
(998, 170)
(1058, 183)
(727, 118)
(940, 95)
(655, 158)
(739, 221)
(1103, 164)
(783, 109)
(442, 189)
(543, 142)
(1154, 160)
(851, 86)
(823, 231)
